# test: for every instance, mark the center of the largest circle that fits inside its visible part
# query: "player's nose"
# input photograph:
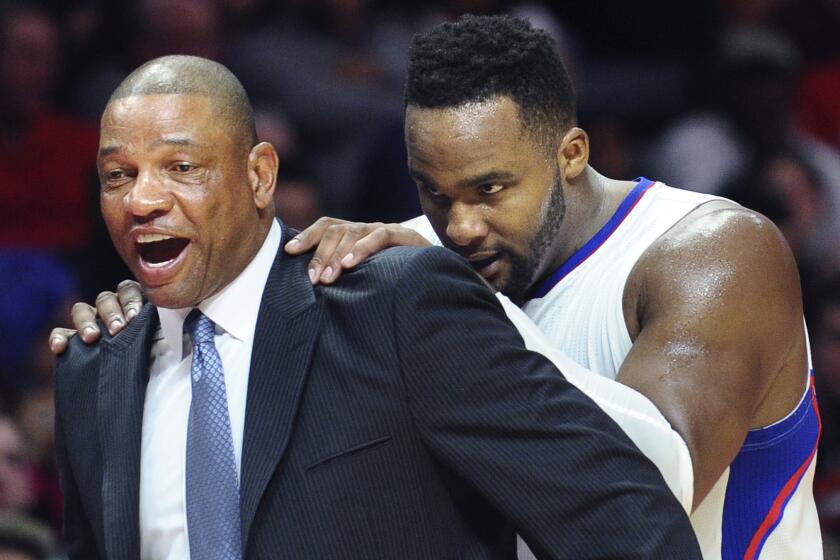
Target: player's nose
(466, 226)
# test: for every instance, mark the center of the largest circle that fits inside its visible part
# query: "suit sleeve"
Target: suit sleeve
(77, 532)
(507, 422)
(637, 416)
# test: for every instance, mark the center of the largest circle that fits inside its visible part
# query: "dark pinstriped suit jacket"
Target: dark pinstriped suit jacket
(395, 415)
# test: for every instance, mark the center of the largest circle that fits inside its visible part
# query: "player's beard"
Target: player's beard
(523, 268)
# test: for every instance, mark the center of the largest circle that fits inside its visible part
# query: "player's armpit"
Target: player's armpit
(720, 345)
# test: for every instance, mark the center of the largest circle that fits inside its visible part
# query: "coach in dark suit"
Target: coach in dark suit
(395, 415)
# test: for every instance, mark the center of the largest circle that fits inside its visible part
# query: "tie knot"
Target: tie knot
(200, 328)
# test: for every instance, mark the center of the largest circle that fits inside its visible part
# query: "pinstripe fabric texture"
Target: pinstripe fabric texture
(398, 416)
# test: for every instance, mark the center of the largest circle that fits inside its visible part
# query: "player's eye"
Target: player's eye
(431, 191)
(490, 188)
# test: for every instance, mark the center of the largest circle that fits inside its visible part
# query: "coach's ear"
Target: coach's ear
(263, 164)
(573, 153)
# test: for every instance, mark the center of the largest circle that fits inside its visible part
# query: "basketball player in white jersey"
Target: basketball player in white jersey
(692, 301)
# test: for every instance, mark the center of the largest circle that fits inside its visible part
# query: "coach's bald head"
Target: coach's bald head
(192, 75)
(187, 192)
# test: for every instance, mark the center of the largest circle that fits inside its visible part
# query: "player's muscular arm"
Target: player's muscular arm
(715, 311)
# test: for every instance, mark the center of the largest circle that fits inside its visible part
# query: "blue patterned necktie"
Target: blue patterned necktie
(212, 486)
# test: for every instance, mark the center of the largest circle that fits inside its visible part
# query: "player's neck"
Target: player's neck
(591, 200)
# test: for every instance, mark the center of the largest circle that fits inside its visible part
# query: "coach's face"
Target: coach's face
(490, 191)
(178, 195)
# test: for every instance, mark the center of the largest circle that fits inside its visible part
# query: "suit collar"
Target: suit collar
(234, 308)
(123, 374)
(286, 331)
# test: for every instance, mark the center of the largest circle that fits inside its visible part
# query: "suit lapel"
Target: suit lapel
(122, 389)
(287, 328)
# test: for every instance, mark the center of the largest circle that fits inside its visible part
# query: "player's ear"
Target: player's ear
(573, 152)
(263, 164)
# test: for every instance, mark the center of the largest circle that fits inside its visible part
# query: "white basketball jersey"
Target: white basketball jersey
(762, 507)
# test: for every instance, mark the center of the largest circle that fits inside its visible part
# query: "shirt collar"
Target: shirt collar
(235, 307)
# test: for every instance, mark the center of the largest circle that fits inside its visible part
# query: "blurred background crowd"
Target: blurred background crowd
(733, 97)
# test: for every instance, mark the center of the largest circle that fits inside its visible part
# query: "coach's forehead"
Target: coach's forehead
(167, 113)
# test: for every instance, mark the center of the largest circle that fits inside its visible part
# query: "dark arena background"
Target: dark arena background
(738, 98)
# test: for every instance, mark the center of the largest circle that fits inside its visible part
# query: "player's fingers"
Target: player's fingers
(130, 295)
(348, 235)
(84, 320)
(321, 266)
(109, 310)
(59, 339)
(311, 236)
(382, 237)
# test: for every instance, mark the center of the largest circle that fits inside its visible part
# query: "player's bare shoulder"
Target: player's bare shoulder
(726, 275)
(727, 246)
(718, 252)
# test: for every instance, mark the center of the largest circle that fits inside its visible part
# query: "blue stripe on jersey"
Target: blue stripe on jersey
(597, 240)
(765, 475)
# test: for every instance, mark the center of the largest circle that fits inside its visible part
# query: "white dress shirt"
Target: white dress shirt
(163, 514)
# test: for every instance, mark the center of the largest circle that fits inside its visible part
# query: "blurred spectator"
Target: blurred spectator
(159, 27)
(609, 146)
(818, 102)
(386, 191)
(335, 68)
(783, 187)
(825, 326)
(36, 289)
(297, 198)
(27, 487)
(749, 13)
(16, 490)
(752, 117)
(46, 159)
(22, 538)
(813, 25)
(297, 202)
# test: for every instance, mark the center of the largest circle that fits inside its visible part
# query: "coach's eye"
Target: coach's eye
(183, 167)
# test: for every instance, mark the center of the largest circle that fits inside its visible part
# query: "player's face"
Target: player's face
(491, 193)
(175, 195)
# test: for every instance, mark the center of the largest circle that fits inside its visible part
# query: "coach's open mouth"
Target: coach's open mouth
(157, 249)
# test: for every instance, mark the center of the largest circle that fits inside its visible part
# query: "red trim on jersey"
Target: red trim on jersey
(776, 509)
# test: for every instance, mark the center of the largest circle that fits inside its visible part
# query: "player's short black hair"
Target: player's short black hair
(477, 58)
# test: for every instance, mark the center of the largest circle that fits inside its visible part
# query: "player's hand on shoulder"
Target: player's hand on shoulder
(115, 309)
(341, 245)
